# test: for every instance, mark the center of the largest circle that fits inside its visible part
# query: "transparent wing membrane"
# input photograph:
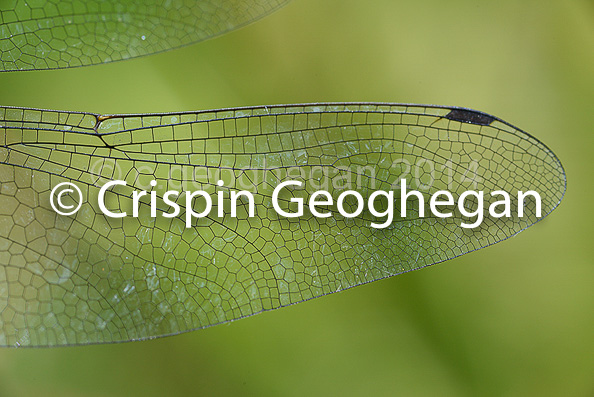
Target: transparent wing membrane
(87, 278)
(53, 34)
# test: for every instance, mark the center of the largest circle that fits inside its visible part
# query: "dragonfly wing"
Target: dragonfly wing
(50, 34)
(87, 278)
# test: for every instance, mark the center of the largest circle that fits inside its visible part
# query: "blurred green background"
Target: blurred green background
(515, 319)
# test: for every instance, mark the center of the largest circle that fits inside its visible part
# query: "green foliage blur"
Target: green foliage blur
(515, 319)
